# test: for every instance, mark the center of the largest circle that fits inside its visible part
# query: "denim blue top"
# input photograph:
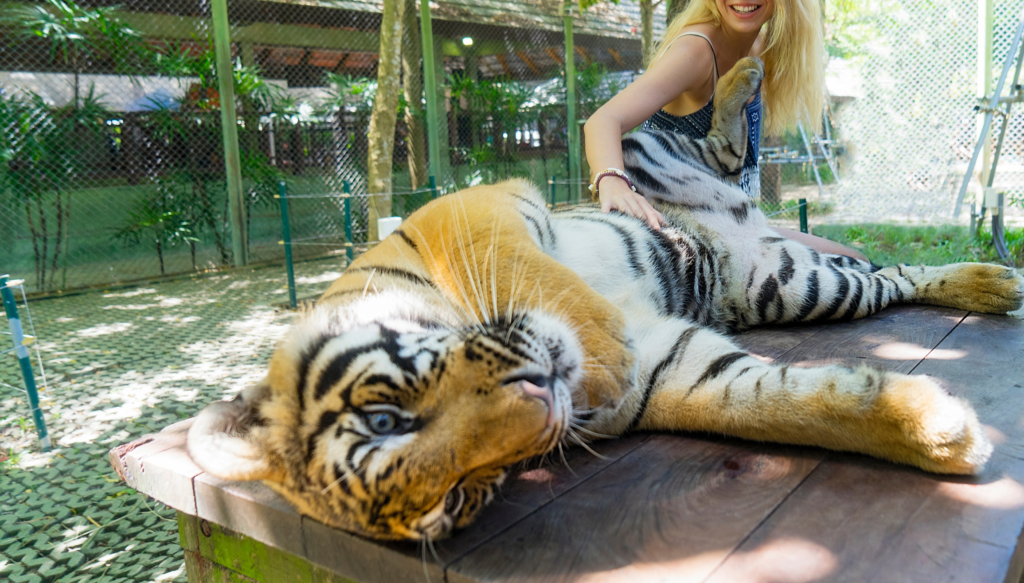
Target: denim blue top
(697, 125)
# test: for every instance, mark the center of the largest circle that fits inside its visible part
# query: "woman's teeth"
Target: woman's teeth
(745, 9)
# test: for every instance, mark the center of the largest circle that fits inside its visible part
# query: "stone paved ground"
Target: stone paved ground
(121, 364)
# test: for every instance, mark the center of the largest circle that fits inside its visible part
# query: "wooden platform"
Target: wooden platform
(677, 507)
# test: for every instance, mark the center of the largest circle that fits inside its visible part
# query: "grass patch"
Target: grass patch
(923, 245)
(790, 209)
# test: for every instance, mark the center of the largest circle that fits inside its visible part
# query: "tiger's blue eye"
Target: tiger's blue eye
(382, 422)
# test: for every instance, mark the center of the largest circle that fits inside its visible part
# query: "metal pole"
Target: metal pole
(803, 215)
(987, 123)
(286, 235)
(430, 83)
(18, 335)
(551, 186)
(229, 129)
(810, 155)
(433, 186)
(570, 99)
(986, 24)
(348, 221)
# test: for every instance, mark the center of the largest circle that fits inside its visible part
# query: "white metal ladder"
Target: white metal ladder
(990, 106)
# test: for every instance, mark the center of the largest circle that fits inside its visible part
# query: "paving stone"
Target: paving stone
(108, 389)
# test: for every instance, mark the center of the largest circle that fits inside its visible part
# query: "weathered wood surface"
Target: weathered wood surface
(696, 507)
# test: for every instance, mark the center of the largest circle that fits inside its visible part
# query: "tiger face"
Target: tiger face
(402, 429)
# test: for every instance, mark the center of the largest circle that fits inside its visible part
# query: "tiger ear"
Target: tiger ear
(226, 439)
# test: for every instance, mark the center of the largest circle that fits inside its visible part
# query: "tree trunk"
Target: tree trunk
(646, 29)
(381, 133)
(46, 251)
(771, 176)
(160, 254)
(35, 243)
(59, 207)
(198, 187)
(412, 85)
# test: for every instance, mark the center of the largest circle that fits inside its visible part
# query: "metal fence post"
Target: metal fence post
(433, 186)
(229, 129)
(18, 336)
(430, 84)
(286, 236)
(570, 99)
(349, 243)
(551, 189)
(803, 215)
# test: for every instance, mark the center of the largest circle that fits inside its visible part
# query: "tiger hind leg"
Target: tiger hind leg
(704, 382)
(978, 287)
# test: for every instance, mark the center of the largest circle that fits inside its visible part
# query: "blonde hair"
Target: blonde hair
(793, 55)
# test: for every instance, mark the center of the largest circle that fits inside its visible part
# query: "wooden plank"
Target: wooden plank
(522, 494)
(533, 486)
(250, 508)
(203, 570)
(366, 561)
(896, 339)
(167, 477)
(670, 510)
(124, 458)
(773, 342)
(857, 519)
(158, 466)
(250, 558)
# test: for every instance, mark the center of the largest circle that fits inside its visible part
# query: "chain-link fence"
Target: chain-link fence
(904, 80)
(114, 151)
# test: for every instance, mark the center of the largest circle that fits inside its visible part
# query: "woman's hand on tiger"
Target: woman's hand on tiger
(616, 194)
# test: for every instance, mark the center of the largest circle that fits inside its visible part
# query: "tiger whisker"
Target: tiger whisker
(583, 429)
(582, 443)
(368, 280)
(565, 462)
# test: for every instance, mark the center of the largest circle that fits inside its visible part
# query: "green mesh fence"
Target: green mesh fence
(113, 155)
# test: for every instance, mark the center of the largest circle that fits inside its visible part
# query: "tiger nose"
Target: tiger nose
(540, 388)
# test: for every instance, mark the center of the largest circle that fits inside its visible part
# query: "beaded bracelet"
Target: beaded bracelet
(594, 186)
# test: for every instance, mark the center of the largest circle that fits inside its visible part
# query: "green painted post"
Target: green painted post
(229, 130)
(430, 83)
(803, 215)
(349, 252)
(570, 99)
(551, 189)
(286, 235)
(433, 186)
(18, 336)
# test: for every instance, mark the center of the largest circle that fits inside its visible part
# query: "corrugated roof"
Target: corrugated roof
(620, 20)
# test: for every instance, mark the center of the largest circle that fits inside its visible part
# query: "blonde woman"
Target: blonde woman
(676, 92)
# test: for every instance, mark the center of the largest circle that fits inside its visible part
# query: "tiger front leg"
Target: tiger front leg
(706, 383)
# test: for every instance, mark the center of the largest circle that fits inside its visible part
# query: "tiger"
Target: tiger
(489, 329)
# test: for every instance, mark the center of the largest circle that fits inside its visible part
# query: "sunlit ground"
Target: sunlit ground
(120, 364)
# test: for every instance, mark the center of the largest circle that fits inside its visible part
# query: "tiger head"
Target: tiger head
(381, 420)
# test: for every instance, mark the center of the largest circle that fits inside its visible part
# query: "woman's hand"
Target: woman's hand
(616, 194)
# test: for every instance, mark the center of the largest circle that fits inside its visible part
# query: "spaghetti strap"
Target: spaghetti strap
(713, 55)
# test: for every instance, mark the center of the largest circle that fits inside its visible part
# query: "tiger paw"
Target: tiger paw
(737, 86)
(937, 432)
(978, 287)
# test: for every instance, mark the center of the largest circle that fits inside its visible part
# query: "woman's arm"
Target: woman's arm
(684, 72)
